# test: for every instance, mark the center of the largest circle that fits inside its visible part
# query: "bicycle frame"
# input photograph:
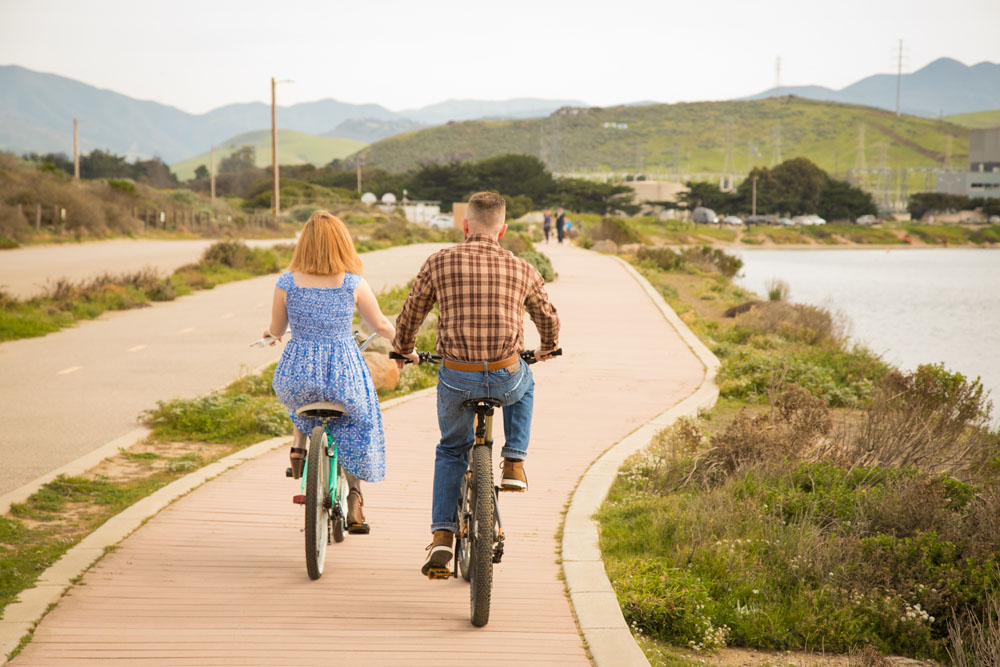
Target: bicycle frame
(332, 454)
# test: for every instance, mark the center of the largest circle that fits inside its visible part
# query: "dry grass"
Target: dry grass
(801, 322)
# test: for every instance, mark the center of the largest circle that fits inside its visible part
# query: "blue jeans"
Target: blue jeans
(516, 392)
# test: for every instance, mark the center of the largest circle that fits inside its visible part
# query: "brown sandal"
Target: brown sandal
(297, 457)
(355, 516)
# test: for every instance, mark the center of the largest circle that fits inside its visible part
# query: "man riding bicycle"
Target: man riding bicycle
(482, 292)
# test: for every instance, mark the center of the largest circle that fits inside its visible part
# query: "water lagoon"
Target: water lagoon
(911, 306)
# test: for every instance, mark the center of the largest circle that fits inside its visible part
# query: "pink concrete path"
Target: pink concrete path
(219, 577)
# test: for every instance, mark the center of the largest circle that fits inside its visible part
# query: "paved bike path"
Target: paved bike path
(218, 578)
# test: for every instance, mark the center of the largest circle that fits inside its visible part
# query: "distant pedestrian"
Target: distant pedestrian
(547, 225)
(560, 224)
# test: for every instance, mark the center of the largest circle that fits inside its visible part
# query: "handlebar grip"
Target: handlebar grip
(396, 355)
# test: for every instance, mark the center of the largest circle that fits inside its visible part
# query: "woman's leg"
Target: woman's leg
(297, 455)
(355, 506)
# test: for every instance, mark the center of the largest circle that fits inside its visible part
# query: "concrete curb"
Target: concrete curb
(598, 614)
(22, 616)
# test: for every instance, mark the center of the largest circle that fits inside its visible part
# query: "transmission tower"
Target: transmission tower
(776, 152)
(899, 75)
(883, 168)
(728, 166)
(777, 77)
(947, 154)
(859, 156)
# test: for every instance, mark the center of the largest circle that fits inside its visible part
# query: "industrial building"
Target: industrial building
(983, 177)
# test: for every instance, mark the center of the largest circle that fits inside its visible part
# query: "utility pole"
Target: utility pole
(76, 150)
(753, 196)
(777, 77)
(211, 171)
(899, 75)
(275, 204)
(358, 163)
(274, 146)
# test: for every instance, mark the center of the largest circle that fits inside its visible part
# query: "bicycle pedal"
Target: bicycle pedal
(510, 490)
(299, 499)
(438, 573)
(288, 472)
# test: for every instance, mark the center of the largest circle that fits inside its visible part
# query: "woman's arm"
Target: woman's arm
(371, 313)
(279, 315)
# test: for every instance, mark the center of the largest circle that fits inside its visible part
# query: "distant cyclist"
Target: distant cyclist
(321, 362)
(482, 292)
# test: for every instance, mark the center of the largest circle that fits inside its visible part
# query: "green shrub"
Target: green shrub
(123, 185)
(238, 419)
(540, 262)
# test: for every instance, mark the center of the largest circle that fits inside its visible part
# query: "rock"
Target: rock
(385, 375)
(606, 246)
(629, 248)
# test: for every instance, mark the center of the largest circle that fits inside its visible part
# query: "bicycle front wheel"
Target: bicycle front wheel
(482, 535)
(317, 503)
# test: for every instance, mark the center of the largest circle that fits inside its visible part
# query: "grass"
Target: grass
(977, 119)
(293, 148)
(692, 133)
(844, 512)
(65, 303)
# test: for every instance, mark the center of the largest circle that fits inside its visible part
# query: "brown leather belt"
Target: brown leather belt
(473, 366)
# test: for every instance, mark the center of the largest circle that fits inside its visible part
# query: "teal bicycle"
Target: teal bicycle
(324, 487)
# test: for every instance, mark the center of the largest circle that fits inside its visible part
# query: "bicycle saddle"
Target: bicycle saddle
(321, 410)
(473, 402)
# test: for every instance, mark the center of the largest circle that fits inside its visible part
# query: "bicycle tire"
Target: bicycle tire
(317, 513)
(463, 551)
(340, 517)
(482, 535)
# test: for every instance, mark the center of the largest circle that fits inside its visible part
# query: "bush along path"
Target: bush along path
(828, 503)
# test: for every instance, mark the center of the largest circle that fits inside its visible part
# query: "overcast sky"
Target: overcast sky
(198, 55)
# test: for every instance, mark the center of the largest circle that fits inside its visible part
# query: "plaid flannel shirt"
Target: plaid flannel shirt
(482, 292)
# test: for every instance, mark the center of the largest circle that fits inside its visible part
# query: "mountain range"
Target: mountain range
(944, 87)
(37, 112)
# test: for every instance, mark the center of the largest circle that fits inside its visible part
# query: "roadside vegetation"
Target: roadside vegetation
(829, 502)
(64, 302)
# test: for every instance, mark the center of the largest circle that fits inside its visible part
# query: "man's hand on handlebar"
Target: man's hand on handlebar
(545, 356)
(412, 358)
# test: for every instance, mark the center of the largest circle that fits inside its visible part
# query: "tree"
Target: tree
(585, 196)
(446, 182)
(518, 205)
(242, 158)
(101, 164)
(515, 175)
(709, 195)
(842, 201)
(200, 172)
(800, 184)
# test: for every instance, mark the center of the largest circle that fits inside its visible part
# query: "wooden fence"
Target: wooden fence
(55, 216)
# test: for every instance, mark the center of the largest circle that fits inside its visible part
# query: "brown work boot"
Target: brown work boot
(513, 478)
(439, 553)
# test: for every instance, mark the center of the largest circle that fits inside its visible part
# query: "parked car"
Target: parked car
(808, 220)
(785, 222)
(866, 220)
(732, 220)
(994, 219)
(441, 221)
(704, 216)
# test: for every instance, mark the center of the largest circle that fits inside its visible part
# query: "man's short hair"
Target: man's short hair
(486, 208)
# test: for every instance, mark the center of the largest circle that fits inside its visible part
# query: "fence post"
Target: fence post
(38, 216)
(55, 216)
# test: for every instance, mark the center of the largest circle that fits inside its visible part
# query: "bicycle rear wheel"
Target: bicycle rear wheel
(317, 503)
(482, 535)
(340, 506)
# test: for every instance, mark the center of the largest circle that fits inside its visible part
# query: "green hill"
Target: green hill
(293, 148)
(689, 138)
(977, 120)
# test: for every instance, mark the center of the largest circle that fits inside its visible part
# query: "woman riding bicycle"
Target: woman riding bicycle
(322, 362)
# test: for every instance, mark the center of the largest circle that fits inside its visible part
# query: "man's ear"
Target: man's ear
(502, 230)
(465, 226)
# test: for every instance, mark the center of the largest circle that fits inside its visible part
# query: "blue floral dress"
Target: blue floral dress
(322, 362)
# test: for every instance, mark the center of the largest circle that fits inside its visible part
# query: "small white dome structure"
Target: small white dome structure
(369, 198)
(388, 198)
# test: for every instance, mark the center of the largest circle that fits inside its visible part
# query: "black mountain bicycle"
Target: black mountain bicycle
(479, 540)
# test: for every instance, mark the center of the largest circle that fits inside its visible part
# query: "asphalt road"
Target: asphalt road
(66, 394)
(24, 272)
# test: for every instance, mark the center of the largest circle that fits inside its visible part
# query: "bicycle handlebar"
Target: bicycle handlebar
(425, 357)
